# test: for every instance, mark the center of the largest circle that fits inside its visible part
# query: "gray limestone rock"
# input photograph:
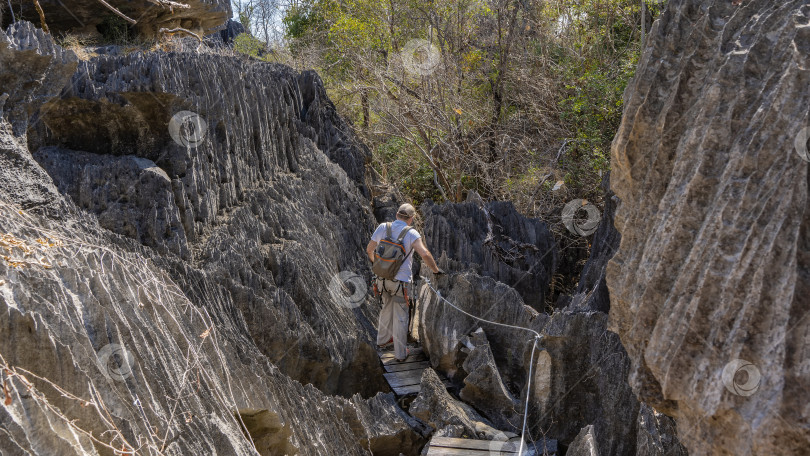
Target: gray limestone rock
(384, 428)
(34, 69)
(584, 444)
(657, 434)
(592, 283)
(436, 407)
(110, 343)
(130, 195)
(710, 287)
(494, 240)
(484, 388)
(249, 193)
(581, 369)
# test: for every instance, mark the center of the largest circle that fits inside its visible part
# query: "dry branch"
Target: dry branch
(41, 16)
(118, 13)
(176, 30)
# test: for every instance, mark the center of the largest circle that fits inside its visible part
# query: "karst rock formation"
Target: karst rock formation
(183, 267)
(713, 271)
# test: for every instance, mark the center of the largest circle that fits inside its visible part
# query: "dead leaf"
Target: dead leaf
(206, 333)
(458, 111)
(558, 186)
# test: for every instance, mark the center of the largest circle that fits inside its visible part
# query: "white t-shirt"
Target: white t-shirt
(404, 273)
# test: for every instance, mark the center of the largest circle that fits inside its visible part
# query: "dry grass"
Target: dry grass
(79, 44)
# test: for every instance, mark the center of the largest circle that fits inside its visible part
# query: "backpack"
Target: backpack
(390, 254)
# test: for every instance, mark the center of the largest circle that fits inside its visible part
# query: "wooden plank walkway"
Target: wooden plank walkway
(404, 377)
(446, 446)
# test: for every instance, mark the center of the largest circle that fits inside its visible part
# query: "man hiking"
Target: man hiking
(390, 251)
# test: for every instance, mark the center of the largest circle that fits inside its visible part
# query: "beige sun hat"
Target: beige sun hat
(406, 210)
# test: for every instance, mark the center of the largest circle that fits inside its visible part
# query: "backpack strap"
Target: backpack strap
(403, 233)
(401, 236)
(388, 230)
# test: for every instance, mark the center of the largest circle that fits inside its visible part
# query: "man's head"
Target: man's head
(406, 213)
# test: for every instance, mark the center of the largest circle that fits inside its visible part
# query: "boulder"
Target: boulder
(484, 388)
(438, 409)
(231, 30)
(709, 288)
(384, 428)
(441, 327)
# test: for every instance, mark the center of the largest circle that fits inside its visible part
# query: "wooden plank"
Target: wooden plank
(413, 357)
(410, 377)
(414, 354)
(412, 389)
(411, 351)
(442, 451)
(405, 390)
(420, 365)
(448, 442)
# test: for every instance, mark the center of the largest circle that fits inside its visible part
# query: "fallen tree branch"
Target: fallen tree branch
(175, 30)
(169, 4)
(118, 13)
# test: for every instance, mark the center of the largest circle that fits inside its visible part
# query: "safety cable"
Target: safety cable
(537, 337)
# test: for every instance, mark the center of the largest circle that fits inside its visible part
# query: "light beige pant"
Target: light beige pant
(393, 317)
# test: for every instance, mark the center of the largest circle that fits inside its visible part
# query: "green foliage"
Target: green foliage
(517, 79)
(246, 44)
(593, 106)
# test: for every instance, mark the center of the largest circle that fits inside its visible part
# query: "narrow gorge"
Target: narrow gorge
(183, 264)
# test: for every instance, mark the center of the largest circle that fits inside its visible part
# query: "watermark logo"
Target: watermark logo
(741, 377)
(188, 129)
(420, 57)
(116, 362)
(348, 289)
(801, 144)
(582, 228)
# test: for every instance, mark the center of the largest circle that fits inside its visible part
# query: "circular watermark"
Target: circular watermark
(801, 143)
(582, 228)
(504, 446)
(741, 377)
(348, 289)
(188, 129)
(116, 362)
(420, 57)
